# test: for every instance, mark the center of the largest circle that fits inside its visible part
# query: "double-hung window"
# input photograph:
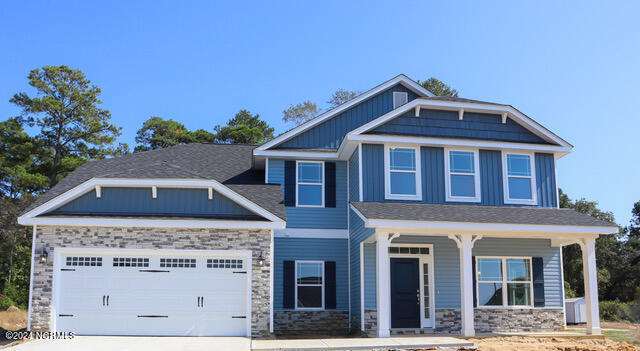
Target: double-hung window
(504, 282)
(310, 184)
(309, 284)
(462, 178)
(519, 178)
(402, 173)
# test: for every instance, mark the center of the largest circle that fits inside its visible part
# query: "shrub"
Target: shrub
(620, 311)
(5, 302)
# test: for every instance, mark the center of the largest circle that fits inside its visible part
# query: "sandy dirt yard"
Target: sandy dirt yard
(518, 343)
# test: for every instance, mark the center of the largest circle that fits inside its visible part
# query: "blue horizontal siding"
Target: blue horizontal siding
(306, 217)
(433, 173)
(357, 234)
(291, 249)
(439, 123)
(447, 266)
(329, 134)
(140, 201)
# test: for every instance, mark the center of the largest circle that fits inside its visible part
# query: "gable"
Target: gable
(329, 134)
(169, 202)
(446, 124)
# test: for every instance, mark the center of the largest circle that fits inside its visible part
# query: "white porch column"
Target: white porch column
(465, 245)
(588, 246)
(383, 285)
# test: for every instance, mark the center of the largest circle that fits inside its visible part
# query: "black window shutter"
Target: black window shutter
(329, 285)
(475, 292)
(289, 284)
(538, 281)
(289, 183)
(330, 184)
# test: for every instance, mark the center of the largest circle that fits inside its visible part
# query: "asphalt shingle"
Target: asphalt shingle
(229, 164)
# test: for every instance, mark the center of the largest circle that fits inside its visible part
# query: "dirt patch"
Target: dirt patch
(13, 320)
(518, 343)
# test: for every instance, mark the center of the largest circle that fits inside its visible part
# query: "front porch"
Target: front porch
(423, 277)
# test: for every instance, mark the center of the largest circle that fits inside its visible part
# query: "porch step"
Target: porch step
(412, 331)
(397, 342)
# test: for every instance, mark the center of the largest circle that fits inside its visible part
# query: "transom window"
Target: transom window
(519, 179)
(309, 284)
(462, 175)
(310, 184)
(402, 173)
(504, 281)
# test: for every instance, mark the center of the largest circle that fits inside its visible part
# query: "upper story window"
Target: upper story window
(504, 281)
(309, 284)
(519, 178)
(310, 184)
(462, 177)
(399, 98)
(402, 173)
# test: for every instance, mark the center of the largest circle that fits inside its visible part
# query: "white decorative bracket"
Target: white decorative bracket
(154, 192)
(417, 111)
(504, 117)
(210, 193)
(98, 191)
(393, 236)
(459, 241)
(461, 114)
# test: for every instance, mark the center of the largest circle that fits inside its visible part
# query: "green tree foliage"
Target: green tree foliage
(244, 128)
(341, 96)
(158, 133)
(618, 272)
(66, 110)
(438, 88)
(300, 113)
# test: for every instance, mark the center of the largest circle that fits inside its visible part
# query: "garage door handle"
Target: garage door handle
(107, 300)
(103, 297)
(151, 316)
(245, 317)
(202, 301)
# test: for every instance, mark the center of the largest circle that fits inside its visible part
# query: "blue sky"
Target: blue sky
(572, 66)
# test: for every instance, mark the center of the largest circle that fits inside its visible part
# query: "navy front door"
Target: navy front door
(405, 293)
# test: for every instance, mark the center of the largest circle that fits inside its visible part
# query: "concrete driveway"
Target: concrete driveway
(136, 343)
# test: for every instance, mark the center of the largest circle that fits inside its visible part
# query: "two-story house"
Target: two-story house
(395, 212)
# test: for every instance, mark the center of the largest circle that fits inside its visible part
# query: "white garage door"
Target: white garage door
(133, 292)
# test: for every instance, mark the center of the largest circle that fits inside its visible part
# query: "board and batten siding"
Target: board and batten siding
(170, 201)
(446, 124)
(329, 134)
(291, 249)
(354, 177)
(315, 217)
(433, 177)
(447, 266)
(357, 234)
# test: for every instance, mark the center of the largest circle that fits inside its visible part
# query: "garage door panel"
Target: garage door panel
(153, 294)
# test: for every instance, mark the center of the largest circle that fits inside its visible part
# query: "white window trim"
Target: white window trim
(400, 95)
(316, 184)
(504, 282)
(322, 285)
(505, 179)
(448, 173)
(387, 174)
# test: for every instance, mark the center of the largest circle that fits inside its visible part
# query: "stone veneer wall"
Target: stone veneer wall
(371, 322)
(448, 320)
(326, 322)
(153, 238)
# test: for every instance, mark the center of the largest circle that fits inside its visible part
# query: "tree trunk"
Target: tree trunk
(54, 168)
(13, 246)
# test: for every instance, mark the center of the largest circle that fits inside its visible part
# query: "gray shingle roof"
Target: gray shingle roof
(230, 165)
(476, 214)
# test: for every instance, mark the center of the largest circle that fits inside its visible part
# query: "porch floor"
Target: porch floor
(394, 342)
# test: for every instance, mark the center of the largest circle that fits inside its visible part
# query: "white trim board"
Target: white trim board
(312, 233)
(151, 223)
(90, 184)
(400, 79)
